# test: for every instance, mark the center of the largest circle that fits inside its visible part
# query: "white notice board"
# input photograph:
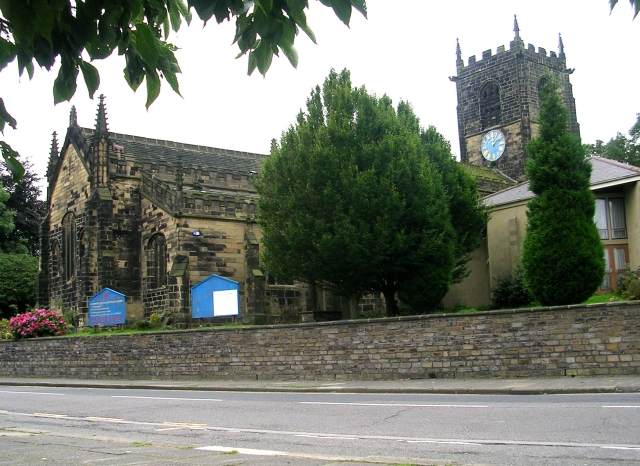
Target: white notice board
(225, 303)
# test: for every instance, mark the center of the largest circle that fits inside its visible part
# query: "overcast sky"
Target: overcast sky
(406, 49)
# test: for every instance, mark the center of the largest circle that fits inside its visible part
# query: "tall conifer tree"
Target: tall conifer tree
(563, 256)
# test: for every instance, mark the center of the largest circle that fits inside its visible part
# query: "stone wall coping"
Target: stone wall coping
(353, 322)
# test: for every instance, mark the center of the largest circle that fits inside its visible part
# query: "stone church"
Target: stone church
(151, 218)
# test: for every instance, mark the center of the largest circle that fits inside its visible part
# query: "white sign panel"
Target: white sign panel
(225, 303)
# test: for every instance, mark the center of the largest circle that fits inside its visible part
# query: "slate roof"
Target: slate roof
(142, 150)
(604, 172)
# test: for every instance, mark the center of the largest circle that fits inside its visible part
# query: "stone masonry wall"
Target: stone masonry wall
(566, 340)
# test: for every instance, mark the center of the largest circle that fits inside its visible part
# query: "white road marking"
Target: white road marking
(441, 443)
(400, 405)
(96, 418)
(183, 424)
(244, 451)
(326, 436)
(622, 406)
(33, 393)
(165, 398)
(62, 417)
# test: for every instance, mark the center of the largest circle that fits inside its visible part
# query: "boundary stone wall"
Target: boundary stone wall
(601, 339)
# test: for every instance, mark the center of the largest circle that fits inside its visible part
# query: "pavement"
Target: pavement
(520, 386)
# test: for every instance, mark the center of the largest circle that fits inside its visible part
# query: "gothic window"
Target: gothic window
(55, 259)
(69, 246)
(157, 262)
(490, 109)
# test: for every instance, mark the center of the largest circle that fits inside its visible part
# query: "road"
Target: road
(125, 427)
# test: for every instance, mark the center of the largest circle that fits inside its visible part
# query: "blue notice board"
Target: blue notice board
(215, 297)
(108, 307)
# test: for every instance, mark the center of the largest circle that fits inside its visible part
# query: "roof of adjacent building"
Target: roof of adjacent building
(604, 173)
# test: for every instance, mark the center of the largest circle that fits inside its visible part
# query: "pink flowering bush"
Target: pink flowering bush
(37, 323)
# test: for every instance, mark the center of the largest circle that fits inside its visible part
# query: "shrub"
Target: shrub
(5, 333)
(37, 323)
(510, 291)
(629, 285)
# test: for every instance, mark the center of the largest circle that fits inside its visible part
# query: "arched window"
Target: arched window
(69, 246)
(55, 259)
(490, 109)
(157, 262)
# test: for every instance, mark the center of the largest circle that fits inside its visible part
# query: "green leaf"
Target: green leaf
(44, 19)
(204, 8)
(252, 63)
(10, 157)
(146, 44)
(175, 15)
(7, 53)
(24, 62)
(65, 84)
(265, 5)
(173, 82)
(361, 6)
(263, 56)
(342, 9)
(153, 87)
(290, 52)
(5, 118)
(91, 77)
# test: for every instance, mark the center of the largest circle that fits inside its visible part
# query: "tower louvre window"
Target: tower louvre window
(490, 107)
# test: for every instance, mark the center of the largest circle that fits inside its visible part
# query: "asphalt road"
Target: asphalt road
(41, 425)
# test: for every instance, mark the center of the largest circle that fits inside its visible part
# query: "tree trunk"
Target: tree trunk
(390, 301)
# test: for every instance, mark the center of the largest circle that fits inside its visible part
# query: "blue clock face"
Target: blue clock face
(493, 144)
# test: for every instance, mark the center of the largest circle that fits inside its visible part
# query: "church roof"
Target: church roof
(604, 173)
(141, 150)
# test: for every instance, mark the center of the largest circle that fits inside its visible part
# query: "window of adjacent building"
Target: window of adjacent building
(69, 246)
(615, 257)
(610, 218)
(490, 109)
(157, 262)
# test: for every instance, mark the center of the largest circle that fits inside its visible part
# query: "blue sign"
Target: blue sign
(108, 307)
(215, 297)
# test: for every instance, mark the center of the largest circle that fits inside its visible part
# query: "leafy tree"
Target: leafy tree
(42, 31)
(621, 148)
(352, 199)
(27, 209)
(17, 283)
(6, 216)
(563, 257)
(17, 270)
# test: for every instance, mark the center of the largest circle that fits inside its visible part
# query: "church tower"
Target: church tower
(498, 102)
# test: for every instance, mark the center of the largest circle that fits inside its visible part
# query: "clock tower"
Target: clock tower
(498, 102)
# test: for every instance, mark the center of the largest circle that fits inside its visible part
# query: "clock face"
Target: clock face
(493, 144)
